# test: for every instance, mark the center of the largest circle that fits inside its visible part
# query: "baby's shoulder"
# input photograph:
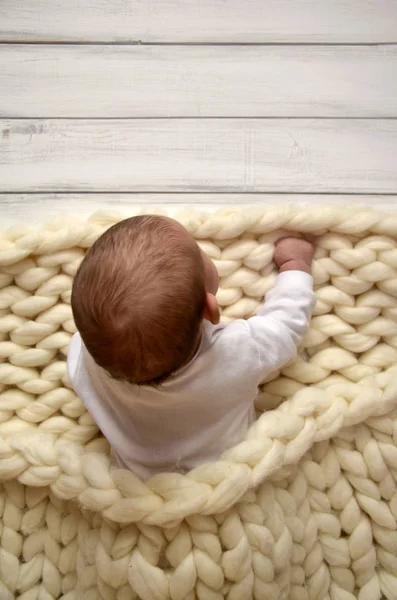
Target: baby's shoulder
(232, 332)
(229, 349)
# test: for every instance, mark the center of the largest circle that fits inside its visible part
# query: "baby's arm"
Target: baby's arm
(281, 323)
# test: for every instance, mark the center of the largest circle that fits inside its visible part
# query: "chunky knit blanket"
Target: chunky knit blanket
(304, 508)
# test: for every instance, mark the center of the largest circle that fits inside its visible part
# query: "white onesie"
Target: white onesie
(207, 406)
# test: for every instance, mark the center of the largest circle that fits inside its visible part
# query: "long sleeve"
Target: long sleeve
(283, 320)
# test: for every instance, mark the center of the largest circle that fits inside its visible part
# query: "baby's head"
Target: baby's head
(139, 298)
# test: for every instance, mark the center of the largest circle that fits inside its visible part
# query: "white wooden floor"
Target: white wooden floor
(114, 104)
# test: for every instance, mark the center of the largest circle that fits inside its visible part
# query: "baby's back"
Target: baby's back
(196, 414)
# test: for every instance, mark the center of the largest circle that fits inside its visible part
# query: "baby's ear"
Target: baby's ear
(211, 310)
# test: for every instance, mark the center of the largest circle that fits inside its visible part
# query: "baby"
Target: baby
(170, 387)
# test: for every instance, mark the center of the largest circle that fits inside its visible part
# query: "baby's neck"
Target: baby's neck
(196, 346)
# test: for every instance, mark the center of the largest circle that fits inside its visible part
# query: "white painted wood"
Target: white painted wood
(38, 208)
(198, 81)
(203, 155)
(251, 21)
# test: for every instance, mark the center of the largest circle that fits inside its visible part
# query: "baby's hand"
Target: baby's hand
(293, 254)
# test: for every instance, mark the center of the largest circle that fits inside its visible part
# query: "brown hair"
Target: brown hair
(138, 299)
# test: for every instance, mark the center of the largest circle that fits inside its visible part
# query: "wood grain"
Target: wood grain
(170, 21)
(38, 208)
(198, 81)
(199, 155)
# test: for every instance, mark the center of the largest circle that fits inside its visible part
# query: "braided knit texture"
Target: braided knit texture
(304, 508)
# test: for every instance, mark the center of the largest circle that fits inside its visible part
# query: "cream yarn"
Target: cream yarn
(304, 509)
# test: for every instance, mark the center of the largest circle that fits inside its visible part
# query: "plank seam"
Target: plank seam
(30, 42)
(75, 192)
(206, 118)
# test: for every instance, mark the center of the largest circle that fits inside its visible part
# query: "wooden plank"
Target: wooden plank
(170, 21)
(38, 208)
(199, 155)
(198, 81)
